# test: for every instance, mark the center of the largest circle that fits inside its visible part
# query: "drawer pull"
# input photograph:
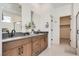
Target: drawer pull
(20, 50)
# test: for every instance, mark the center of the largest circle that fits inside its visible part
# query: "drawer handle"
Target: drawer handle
(20, 49)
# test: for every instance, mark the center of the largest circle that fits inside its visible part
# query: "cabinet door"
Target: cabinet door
(42, 43)
(11, 52)
(27, 49)
(36, 45)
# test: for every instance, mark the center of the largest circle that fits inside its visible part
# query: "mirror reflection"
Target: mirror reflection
(11, 19)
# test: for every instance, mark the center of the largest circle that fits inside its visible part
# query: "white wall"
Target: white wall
(42, 15)
(64, 10)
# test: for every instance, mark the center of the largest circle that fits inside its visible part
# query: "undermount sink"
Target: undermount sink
(17, 34)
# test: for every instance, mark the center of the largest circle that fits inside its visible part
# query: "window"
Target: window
(6, 19)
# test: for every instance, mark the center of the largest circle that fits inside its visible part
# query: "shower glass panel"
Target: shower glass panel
(77, 30)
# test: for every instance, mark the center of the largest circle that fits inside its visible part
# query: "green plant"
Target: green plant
(28, 26)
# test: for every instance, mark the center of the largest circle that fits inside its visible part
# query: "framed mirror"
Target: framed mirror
(11, 17)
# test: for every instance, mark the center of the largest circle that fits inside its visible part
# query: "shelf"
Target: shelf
(64, 38)
(65, 22)
(65, 26)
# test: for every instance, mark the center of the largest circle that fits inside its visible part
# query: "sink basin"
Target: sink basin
(17, 34)
(5, 35)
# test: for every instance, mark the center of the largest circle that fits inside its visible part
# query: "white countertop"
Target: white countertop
(18, 38)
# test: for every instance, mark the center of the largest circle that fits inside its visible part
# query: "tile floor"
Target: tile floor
(57, 50)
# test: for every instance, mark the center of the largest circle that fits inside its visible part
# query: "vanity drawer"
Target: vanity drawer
(11, 52)
(16, 43)
(37, 38)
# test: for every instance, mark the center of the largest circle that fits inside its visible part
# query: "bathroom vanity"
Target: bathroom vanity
(30, 45)
(16, 40)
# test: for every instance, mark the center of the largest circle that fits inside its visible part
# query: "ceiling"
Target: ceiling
(56, 5)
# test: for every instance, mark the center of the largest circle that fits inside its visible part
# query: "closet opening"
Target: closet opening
(65, 30)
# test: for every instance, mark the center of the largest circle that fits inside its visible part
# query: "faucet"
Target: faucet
(13, 33)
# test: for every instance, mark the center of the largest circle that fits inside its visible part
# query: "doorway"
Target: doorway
(65, 30)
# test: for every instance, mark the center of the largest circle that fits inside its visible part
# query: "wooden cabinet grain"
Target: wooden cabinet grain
(46, 41)
(17, 47)
(11, 52)
(27, 49)
(42, 43)
(36, 45)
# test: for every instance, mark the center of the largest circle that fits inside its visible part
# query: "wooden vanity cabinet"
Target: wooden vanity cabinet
(20, 47)
(39, 44)
(26, 46)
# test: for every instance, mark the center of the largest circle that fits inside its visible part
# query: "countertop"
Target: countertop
(21, 37)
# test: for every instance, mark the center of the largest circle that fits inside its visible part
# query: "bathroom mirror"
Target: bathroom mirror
(11, 17)
(35, 21)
